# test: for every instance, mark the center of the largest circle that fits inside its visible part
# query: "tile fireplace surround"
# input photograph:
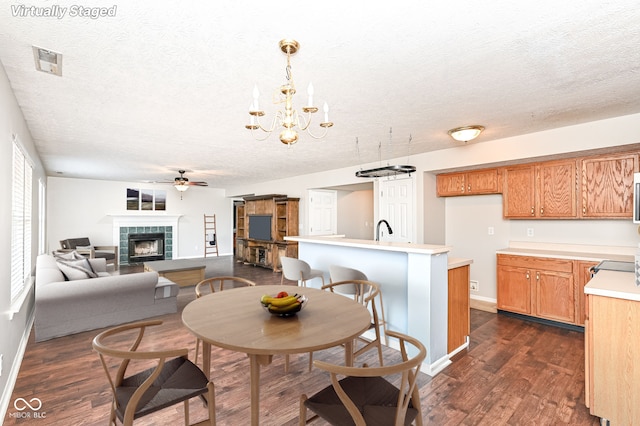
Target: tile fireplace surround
(123, 225)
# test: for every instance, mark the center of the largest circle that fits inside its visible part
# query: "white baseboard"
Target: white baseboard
(15, 368)
(483, 304)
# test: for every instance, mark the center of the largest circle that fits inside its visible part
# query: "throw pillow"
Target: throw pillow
(85, 248)
(72, 255)
(76, 269)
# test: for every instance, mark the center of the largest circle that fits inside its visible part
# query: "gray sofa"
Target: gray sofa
(66, 307)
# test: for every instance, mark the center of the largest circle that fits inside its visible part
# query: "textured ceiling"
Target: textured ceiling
(166, 85)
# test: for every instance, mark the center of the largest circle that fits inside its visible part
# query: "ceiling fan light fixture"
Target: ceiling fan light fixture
(181, 186)
(466, 133)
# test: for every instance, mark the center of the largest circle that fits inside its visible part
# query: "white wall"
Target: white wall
(355, 219)
(466, 219)
(82, 208)
(14, 332)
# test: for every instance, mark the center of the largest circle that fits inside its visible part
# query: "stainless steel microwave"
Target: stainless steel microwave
(636, 198)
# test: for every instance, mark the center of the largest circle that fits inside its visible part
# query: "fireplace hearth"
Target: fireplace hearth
(146, 247)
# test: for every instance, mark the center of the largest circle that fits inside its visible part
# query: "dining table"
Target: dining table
(235, 319)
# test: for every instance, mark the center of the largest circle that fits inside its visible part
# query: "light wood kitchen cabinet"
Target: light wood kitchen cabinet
(583, 272)
(607, 185)
(612, 373)
(537, 286)
(541, 190)
(459, 325)
(475, 182)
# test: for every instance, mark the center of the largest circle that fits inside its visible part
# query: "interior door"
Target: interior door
(323, 212)
(396, 207)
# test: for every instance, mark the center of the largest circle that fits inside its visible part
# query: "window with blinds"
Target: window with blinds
(20, 221)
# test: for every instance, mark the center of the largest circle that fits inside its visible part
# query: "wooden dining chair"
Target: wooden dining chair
(342, 273)
(366, 293)
(298, 270)
(213, 285)
(365, 397)
(172, 378)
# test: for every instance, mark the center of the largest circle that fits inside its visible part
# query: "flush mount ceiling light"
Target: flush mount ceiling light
(465, 134)
(47, 61)
(289, 118)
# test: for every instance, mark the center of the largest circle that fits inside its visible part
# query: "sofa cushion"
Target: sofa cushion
(71, 255)
(76, 269)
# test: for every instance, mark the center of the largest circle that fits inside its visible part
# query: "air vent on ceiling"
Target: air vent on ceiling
(47, 61)
(385, 171)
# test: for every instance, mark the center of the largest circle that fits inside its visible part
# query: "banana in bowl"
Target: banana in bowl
(283, 304)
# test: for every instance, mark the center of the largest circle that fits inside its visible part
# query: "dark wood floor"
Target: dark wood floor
(514, 372)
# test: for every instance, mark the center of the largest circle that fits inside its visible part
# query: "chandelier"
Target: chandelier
(289, 119)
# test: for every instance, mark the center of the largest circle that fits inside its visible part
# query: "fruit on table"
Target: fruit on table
(282, 305)
(293, 307)
(282, 294)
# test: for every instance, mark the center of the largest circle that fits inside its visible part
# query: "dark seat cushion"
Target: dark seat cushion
(180, 380)
(375, 398)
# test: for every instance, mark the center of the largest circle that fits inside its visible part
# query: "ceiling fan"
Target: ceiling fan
(181, 183)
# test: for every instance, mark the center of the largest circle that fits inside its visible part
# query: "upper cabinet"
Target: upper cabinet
(475, 182)
(540, 190)
(593, 187)
(607, 185)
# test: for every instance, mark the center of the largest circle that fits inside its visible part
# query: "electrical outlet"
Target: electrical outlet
(474, 285)
(529, 232)
(491, 231)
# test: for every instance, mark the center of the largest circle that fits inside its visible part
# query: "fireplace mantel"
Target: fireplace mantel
(142, 219)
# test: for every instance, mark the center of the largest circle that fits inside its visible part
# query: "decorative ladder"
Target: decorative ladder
(210, 236)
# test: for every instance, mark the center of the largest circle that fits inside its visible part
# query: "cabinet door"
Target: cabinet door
(607, 186)
(557, 189)
(554, 296)
(483, 182)
(584, 275)
(519, 192)
(514, 289)
(450, 184)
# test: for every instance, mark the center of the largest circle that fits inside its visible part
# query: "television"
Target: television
(260, 227)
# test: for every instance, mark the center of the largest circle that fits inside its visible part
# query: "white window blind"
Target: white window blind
(20, 221)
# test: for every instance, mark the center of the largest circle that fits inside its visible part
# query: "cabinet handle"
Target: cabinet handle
(541, 210)
(584, 209)
(469, 188)
(528, 275)
(462, 189)
(533, 211)
(538, 276)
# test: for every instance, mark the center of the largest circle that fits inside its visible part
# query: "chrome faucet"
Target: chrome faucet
(378, 228)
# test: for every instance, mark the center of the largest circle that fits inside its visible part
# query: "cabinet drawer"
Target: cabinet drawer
(530, 262)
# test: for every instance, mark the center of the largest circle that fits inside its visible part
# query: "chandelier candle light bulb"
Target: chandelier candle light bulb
(310, 93)
(289, 118)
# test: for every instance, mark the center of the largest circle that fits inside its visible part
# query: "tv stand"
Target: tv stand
(284, 222)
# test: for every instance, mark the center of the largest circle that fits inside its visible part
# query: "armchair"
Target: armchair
(85, 248)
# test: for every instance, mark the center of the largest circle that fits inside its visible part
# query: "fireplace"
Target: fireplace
(146, 247)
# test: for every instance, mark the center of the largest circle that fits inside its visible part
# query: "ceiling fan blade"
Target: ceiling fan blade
(199, 183)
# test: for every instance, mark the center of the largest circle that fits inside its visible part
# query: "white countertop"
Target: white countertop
(620, 285)
(371, 244)
(457, 262)
(570, 251)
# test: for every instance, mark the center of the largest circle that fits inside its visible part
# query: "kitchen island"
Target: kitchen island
(612, 373)
(413, 278)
